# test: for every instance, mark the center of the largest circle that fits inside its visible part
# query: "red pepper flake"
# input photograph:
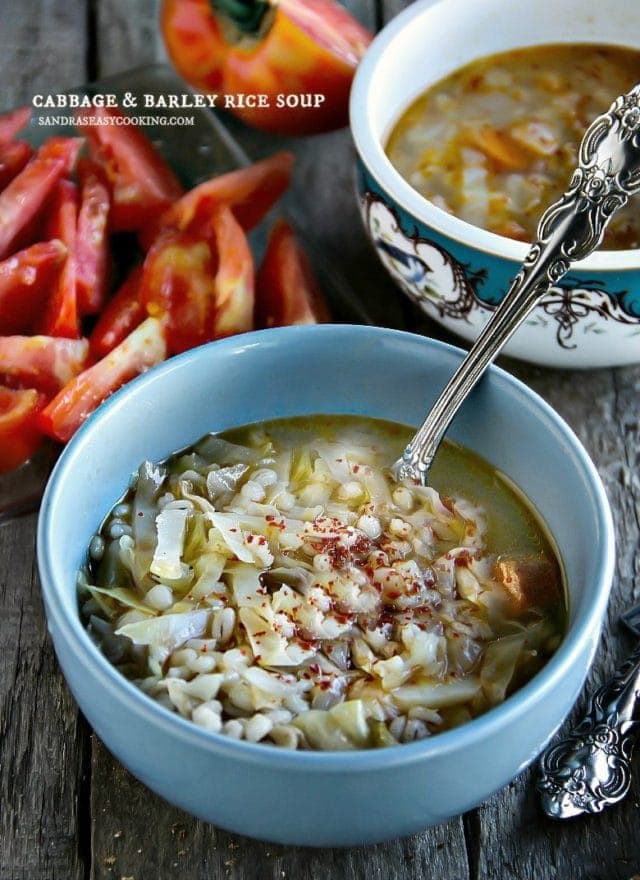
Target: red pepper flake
(448, 503)
(262, 632)
(258, 657)
(463, 559)
(250, 539)
(338, 555)
(204, 649)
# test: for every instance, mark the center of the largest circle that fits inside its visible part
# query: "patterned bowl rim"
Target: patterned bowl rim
(369, 148)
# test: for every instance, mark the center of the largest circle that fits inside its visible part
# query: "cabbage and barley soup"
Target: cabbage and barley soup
(496, 142)
(274, 584)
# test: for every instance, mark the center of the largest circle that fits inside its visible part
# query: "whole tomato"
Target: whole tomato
(284, 66)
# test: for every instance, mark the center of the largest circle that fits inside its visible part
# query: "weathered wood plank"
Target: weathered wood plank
(126, 35)
(42, 48)
(136, 834)
(390, 8)
(42, 738)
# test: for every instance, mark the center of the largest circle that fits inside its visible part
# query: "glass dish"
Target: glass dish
(195, 152)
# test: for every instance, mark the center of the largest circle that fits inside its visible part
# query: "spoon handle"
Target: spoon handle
(608, 173)
(590, 769)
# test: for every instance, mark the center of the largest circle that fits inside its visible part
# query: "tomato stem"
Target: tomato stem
(250, 17)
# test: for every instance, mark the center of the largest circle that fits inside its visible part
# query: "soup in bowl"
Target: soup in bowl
(442, 763)
(465, 133)
(276, 584)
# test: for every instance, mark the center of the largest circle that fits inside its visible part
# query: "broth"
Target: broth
(496, 142)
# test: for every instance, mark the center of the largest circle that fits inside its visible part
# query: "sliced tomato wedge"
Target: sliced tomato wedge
(250, 192)
(13, 157)
(286, 289)
(25, 281)
(142, 183)
(92, 243)
(61, 317)
(43, 362)
(235, 277)
(178, 286)
(61, 149)
(20, 435)
(13, 122)
(122, 314)
(24, 198)
(141, 350)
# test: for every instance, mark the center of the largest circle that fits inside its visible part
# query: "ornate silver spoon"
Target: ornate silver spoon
(590, 769)
(608, 173)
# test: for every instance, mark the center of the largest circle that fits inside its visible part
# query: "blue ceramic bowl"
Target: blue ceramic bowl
(322, 799)
(457, 272)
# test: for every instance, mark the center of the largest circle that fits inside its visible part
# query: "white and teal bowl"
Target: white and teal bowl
(322, 799)
(457, 272)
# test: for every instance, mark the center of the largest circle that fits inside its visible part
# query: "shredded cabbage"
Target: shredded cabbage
(284, 589)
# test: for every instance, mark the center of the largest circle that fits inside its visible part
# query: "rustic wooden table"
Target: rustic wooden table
(68, 811)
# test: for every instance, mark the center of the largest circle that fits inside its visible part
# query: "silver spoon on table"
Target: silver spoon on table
(608, 173)
(590, 768)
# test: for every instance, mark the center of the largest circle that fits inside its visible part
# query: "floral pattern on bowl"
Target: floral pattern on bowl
(460, 289)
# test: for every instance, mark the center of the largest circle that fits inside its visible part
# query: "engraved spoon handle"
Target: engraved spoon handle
(608, 173)
(590, 769)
